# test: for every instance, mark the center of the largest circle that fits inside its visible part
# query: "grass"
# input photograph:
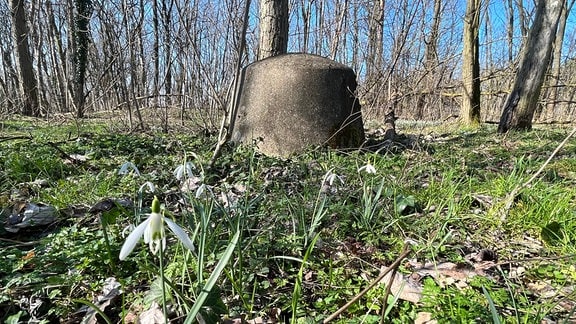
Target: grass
(299, 237)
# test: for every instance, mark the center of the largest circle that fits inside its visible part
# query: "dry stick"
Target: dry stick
(509, 200)
(226, 132)
(394, 265)
(387, 293)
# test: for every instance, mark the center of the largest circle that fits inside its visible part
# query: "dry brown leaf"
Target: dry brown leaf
(405, 288)
(154, 315)
(424, 318)
(444, 273)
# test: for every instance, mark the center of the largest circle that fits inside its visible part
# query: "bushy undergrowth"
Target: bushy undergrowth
(305, 234)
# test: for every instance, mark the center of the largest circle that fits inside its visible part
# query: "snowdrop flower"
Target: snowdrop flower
(149, 185)
(368, 168)
(184, 169)
(128, 167)
(200, 191)
(153, 231)
(330, 177)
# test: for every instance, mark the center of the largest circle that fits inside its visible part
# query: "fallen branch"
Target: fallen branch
(10, 138)
(393, 266)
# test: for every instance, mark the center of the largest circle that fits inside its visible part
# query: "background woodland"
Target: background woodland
(178, 57)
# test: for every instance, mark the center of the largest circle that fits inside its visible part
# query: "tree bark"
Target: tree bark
(470, 109)
(510, 31)
(58, 58)
(522, 101)
(431, 40)
(28, 81)
(375, 41)
(81, 43)
(273, 28)
(554, 80)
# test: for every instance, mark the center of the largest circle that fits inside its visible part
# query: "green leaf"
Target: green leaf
(552, 233)
(493, 311)
(212, 279)
(14, 319)
(403, 202)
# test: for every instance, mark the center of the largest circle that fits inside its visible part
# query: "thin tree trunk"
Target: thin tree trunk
(156, 48)
(470, 109)
(522, 18)
(510, 31)
(81, 43)
(166, 19)
(319, 26)
(305, 9)
(28, 81)
(432, 40)
(273, 28)
(521, 104)
(58, 58)
(557, 58)
(339, 29)
(375, 40)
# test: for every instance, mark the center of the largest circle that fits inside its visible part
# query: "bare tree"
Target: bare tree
(554, 79)
(510, 30)
(375, 41)
(28, 81)
(432, 40)
(81, 40)
(273, 28)
(522, 101)
(341, 10)
(470, 108)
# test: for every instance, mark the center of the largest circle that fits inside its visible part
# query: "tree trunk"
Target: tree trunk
(523, 99)
(431, 40)
(273, 28)
(339, 31)
(58, 58)
(510, 31)
(557, 60)
(470, 109)
(375, 41)
(81, 43)
(28, 82)
(522, 19)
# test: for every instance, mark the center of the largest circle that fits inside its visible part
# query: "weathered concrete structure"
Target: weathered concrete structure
(293, 101)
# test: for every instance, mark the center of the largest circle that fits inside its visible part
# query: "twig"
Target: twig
(387, 293)
(17, 243)
(10, 138)
(226, 128)
(509, 200)
(394, 266)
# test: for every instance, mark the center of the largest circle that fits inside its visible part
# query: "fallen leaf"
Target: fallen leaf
(424, 318)
(406, 288)
(154, 315)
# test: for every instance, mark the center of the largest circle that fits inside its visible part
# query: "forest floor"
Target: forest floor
(452, 213)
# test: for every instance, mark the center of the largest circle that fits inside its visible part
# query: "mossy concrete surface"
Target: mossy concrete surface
(293, 101)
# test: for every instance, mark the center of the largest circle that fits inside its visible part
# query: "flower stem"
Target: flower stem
(162, 282)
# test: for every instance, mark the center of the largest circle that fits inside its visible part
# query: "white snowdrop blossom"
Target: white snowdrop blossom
(330, 177)
(147, 185)
(127, 168)
(368, 168)
(184, 170)
(154, 233)
(200, 191)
